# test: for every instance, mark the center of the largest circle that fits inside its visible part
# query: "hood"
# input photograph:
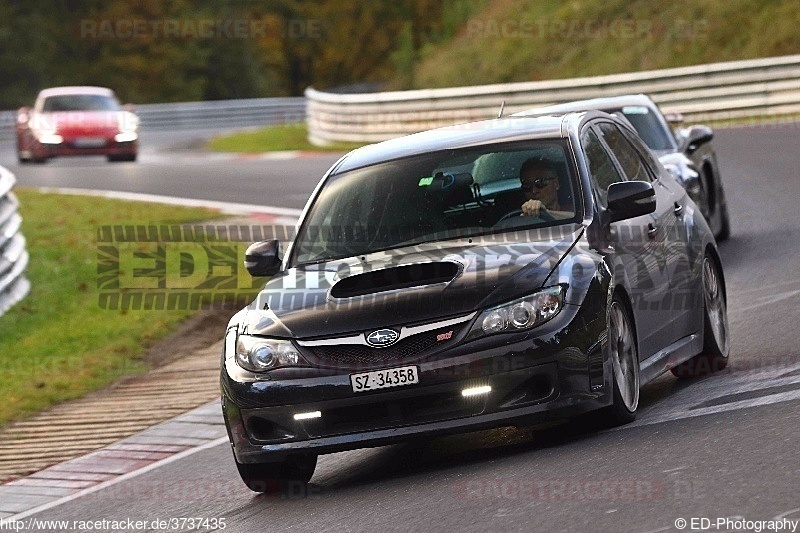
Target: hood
(406, 286)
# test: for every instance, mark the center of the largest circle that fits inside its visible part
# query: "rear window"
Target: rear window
(647, 125)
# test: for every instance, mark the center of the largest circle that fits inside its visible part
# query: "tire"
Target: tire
(624, 355)
(716, 342)
(706, 183)
(724, 224)
(272, 477)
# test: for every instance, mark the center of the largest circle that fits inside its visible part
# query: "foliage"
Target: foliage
(283, 46)
(352, 44)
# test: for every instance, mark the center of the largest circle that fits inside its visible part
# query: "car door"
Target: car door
(640, 242)
(679, 256)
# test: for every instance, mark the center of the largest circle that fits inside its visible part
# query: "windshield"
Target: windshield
(437, 196)
(80, 102)
(647, 125)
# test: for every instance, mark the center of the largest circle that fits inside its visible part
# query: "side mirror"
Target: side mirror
(263, 258)
(130, 108)
(697, 136)
(23, 115)
(629, 199)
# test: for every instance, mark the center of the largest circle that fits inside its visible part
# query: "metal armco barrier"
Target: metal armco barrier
(13, 256)
(222, 114)
(7, 119)
(213, 115)
(731, 91)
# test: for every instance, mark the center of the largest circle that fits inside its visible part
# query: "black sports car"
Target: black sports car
(475, 276)
(686, 152)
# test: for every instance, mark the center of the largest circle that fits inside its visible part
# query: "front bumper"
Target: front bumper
(544, 373)
(69, 148)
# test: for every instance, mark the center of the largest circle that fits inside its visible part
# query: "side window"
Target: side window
(630, 160)
(650, 160)
(602, 171)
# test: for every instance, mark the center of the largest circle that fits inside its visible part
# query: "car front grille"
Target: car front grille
(406, 350)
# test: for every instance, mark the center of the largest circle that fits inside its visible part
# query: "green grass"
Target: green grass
(495, 46)
(58, 343)
(273, 138)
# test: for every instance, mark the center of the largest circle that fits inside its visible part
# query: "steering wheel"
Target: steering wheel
(544, 216)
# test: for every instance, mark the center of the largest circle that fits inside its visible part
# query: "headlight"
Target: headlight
(127, 122)
(521, 314)
(46, 132)
(258, 354)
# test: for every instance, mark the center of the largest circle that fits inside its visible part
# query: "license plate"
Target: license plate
(384, 379)
(90, 142)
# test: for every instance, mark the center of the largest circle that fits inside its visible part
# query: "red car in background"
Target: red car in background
(68, 121)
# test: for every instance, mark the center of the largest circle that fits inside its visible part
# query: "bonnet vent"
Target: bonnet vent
(391, 279)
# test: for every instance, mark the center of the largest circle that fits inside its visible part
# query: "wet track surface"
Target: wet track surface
(723, 446)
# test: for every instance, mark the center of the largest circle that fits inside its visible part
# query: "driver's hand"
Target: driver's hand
(532, 208)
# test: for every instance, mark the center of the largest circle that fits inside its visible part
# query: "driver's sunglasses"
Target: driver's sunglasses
(539, 183)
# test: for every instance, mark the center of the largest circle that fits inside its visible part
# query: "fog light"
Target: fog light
(308, 416)
(475, 391)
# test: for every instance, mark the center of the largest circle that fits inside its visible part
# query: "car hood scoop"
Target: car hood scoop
(397, 278)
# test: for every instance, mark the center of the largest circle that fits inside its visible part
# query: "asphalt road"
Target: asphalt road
(168, 166)
(724, 446)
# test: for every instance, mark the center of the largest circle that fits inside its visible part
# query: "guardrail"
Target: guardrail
(214, 114)
(7, 124)
(716, 92)
(222, 114)
(13, 256)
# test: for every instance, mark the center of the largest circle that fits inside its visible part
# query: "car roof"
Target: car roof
(87, 89)
(608, 102)
(507, 129)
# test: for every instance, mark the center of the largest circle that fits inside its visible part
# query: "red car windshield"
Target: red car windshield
(80, 102)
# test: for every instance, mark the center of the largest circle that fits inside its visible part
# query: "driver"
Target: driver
(540, 184)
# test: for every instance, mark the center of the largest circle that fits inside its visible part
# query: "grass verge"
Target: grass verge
(58, 344)
(273, 139)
